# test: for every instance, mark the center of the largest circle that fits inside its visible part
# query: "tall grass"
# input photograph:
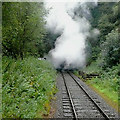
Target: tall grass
(28, 86)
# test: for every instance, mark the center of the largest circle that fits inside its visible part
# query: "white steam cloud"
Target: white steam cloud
(70, 19)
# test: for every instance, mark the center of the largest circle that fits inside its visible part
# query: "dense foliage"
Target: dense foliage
(0, 89)
(107, 82)
(111, 49)
(28, 85)
(109, 79)
(107, 47)
(105, 57)
(23, 29)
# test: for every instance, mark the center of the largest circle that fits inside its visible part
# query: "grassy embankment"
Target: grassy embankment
(106, 84)
(28, 87)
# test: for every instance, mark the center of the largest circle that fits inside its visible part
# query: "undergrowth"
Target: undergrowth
(0, 87)
(28, 86)
(107, 82)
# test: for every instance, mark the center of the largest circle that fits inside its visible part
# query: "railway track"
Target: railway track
(79, 102)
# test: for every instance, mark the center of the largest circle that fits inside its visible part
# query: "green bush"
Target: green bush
(28, 86)
(111, 49)
(0, 87)
(108, 82)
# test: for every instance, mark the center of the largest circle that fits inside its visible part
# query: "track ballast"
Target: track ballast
(80, 102)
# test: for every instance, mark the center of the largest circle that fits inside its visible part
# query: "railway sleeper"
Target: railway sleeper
(67, 111)
(66, 107)
(68, 114)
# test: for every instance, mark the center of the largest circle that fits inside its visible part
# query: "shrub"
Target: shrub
(111, 49)
(28, 85)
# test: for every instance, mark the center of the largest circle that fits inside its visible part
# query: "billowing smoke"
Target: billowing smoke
(71, 20)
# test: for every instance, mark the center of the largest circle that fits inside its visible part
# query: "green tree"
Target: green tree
(111, 49)
(23, 29)
(106, 19)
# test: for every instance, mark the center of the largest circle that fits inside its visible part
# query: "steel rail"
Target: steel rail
(70, 98)
(99, 108)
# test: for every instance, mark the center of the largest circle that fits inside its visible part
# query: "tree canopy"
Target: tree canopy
(107, 47)
(23, 29)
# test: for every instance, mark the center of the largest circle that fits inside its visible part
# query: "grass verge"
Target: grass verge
(28, 86)
(110, 98)
(106, 84)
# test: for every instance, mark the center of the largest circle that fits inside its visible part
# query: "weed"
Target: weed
(28, 85)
